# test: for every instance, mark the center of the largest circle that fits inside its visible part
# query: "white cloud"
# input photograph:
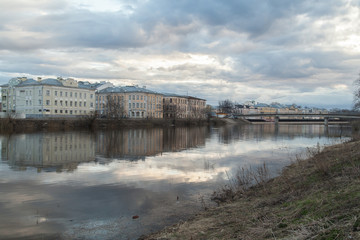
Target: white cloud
(211, 49)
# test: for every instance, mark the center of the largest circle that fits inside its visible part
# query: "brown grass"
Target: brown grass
(316, 198)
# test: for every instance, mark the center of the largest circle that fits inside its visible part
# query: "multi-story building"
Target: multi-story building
(177, 106)
(130, 102)
(49, 97)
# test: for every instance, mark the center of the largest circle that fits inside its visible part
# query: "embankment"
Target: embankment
(10, 125)
(316, 198)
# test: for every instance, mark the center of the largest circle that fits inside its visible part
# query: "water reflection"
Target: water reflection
(82, 185)
(49, 151)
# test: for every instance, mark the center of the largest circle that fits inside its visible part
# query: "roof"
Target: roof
(127, 89)
(51, 82)
(182, 96)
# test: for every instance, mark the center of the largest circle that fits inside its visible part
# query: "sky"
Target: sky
(300, 51)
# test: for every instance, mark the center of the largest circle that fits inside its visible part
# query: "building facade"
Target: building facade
(49, 97)
(177, 106)
(129, 102)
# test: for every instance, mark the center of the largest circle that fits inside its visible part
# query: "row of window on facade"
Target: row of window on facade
(142, 114)
(66, 94)
(131, 97)
(62, 103)
(57, 93)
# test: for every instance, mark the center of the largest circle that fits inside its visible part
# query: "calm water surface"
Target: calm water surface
(89, 185)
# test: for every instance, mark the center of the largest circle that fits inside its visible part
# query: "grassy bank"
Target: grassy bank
(316, 198)
(10, 125)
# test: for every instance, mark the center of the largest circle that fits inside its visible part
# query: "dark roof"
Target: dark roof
(127, 89)
(51, 82)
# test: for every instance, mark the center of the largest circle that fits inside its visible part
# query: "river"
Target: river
(125, 183)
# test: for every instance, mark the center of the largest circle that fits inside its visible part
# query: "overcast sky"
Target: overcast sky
(289, 51)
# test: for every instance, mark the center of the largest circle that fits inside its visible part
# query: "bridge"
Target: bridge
(325, 116)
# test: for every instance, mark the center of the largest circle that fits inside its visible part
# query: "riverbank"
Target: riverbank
(316, 198)
(10, 125)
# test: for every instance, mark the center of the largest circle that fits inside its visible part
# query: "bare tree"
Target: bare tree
(171, 111)
(114, 107)
(357, 94)
(226, 106)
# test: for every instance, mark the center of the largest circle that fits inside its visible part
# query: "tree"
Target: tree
(357, 94)
(114, 107)
(171, 111)
(226, 106)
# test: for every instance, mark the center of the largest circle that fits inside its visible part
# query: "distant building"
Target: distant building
(49, 97)
(179, 106)
(130, 102)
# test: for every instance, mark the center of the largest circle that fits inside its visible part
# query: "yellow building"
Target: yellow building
(130, 102)
(177, 106)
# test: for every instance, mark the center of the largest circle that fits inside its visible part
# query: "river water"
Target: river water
(125, 183)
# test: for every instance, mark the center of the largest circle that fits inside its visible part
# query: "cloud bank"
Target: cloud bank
(307, 52)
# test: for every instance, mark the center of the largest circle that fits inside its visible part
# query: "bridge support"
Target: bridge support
(326, 121)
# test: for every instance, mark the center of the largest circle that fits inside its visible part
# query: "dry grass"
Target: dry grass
(317, 198)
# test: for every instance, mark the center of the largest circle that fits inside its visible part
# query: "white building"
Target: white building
(49, 97)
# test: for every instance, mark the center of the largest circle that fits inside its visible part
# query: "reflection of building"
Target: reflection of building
(177, 139)
(130, 144)
(47, 150)
(135, 144)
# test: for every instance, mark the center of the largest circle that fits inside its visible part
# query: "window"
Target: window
(39, 92)
(76, 94)
(79, 95)
(79, 104)
(141, 105)
(70, 103)
(133, 105)
(47, 102)
(91, 96)
(47, 92)
(70, 94)
(55, 110)
(40, 102)
(84, 95)
(137, 105)
(65, 103)
(91, 104)
(75, 103)
(55, 93)
(137, 97)
(55, 102)
(60, 94)
(66, 111)
(133, 97)
(61, 111)
(141, 97)
(71, 113)
(84, 104)
(129, 97)
(61, 103)
(27, 102)
(129, 105)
